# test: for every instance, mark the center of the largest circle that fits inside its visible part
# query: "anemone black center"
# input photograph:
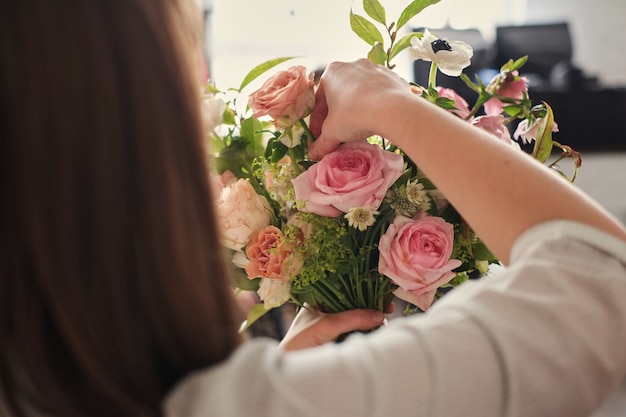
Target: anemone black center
(440, 45)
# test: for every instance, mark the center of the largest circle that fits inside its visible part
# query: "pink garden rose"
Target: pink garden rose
(462, 108)
(357, 174)
(240, 213)
(512, 86)
(528, 132)
(415, 254)
(286, 97)
(494, 124)
(272, 256)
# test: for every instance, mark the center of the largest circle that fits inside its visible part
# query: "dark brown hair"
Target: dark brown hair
(112, 286)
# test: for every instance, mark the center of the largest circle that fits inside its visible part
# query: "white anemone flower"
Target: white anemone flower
(450, 56)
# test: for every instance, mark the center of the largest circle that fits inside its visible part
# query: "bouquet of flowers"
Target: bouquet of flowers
(362, 224)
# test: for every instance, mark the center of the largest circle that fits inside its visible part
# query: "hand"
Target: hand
(312, 328)
(347, 101)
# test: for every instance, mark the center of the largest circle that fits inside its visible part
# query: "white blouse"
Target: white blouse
(545, 337)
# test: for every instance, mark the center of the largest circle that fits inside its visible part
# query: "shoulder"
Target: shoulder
(200, 393)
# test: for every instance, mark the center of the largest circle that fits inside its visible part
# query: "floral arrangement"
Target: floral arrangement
(362, 224)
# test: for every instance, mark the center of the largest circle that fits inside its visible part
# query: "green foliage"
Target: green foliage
(403, 43)
(365, 29)
(412, 10)
(260, 69)
(375, 10)
(327, 249)
(543, 143)
(377, 54)
(256, 312)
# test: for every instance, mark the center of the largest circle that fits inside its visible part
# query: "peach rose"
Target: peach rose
(286, 97)
(272, 256)
(241, 212)
(415, 254)
(357, 174)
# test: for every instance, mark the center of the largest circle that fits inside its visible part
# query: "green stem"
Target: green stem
(339, 296)
(293, 159)
(321, 296)
(432, 76)
(307, 131)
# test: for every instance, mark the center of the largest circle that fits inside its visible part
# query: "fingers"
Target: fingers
(311, 328)
(351, 320)
(319, 112)
(321, 147)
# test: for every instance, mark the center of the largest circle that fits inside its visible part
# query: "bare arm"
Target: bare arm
(500, 191)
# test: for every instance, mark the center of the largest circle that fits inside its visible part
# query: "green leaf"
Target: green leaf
(375, 10)
(269, 148)
(228, 118)
(260, 69)
(543, 142)
(377, 54)
(446, 103)
(482, 253)
(256, 312)
(403, 43)
(365, 29)
(413, 9)
(252, 129)
(519, 63)
(512, 110)
(280, 150)
(211, 89)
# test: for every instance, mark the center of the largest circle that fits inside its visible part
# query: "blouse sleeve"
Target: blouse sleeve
(545, 337)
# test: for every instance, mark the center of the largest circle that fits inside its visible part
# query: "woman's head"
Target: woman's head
(111, 280)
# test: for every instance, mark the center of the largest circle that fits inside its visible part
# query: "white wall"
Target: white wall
(598, 33)
(247, 32)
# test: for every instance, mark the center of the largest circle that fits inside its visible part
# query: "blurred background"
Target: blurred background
(575, 47)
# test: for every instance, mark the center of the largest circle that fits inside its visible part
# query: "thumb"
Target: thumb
(322, 146)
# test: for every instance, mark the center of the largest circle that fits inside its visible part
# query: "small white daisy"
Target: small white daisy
(361, 217)
(417, 195)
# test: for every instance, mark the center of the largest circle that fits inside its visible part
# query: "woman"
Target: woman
(112, 287)
(113, 296)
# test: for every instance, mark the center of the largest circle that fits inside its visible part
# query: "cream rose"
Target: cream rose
(241, 212)
(286, 97)
(274, 293)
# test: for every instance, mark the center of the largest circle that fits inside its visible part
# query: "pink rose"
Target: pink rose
(462, 110)
(240, 213)
(415, 254)
(272, 256)
(357, 174)
(527, 132)
(512, 86)
(285, 97)
(494, 124)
